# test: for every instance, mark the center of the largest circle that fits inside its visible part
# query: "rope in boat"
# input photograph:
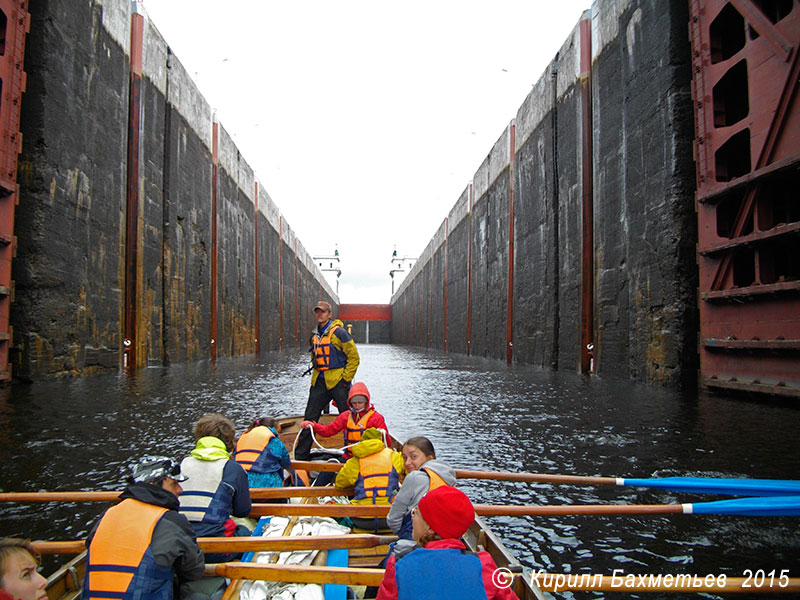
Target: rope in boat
(334, 450)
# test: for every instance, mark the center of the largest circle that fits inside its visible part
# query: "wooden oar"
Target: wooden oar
(297, 573)
(255, 494)
(488, 510)
(696, 584)
(495, 475)
(248, 544)
(767, 506)
(59, 496)
(535, 477)
(308, 465)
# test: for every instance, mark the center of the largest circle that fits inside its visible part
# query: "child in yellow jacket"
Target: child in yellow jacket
(375, 472)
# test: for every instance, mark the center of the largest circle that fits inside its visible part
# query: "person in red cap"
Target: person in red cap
(334, 361)
(360, 417)
(439, 566)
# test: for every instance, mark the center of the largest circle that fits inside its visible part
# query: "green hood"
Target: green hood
(210, 448)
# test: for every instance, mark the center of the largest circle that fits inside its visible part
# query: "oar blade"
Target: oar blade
(772, 506)
(725, 486)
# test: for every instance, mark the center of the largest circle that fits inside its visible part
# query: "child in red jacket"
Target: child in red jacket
(361, 416)
(440, 566)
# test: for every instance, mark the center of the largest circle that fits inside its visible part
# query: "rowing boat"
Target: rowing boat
(366, 551)
(351, 560)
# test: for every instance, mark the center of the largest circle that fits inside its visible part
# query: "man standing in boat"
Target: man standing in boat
(334, 360)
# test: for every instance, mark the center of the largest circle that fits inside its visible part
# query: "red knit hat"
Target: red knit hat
(448, 511)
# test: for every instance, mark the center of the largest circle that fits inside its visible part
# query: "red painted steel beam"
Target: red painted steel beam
(756, 19)
(296, 300)
(587, 247)
(746, 85)
(469, 275)
(510, 301)
(765, 156)
(256, 309)
(14, 81)
(446, 235)
(365, 312)
(280, 281)
(214, 198)
(130, 342)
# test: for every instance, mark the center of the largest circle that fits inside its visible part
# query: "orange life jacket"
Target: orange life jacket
(353, 431)
(325, 354)
(435, 480)
(117, 554)
(377, 478)
(251, 444)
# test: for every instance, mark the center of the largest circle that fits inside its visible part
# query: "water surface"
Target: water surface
(81, 435)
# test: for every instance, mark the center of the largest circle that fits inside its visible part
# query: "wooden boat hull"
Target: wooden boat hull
(364, 556)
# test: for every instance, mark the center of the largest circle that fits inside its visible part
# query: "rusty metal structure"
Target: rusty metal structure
(746, 59)
(14, 24)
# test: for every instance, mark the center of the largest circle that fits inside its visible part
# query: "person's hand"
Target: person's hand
(307, 424)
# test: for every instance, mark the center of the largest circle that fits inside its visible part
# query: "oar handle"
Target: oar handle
(535, 477)
(309, 465)
(490, 510)
(696, 584)
(297, 573)
(59, 496)
(248, 544)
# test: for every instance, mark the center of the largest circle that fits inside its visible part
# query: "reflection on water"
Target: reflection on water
(480, 414)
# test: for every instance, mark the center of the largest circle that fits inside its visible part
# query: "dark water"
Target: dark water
(81, 434)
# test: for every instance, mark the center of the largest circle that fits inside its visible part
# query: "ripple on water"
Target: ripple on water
(479, 413)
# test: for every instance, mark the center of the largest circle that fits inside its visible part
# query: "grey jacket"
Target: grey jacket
(414, 487)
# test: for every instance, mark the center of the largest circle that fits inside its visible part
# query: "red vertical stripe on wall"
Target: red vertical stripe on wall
(469, 274)
(257, 336)
(446, 236)
(130, 342)
(587, 254)
(214, 192)
(510, 307)
(280, 281)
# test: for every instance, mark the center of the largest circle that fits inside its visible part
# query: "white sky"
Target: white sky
(369, 114)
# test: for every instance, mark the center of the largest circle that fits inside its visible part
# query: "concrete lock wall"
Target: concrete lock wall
(630, 99)
(70, 271)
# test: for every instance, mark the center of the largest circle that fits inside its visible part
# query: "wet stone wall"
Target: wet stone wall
(618, 91)
(71, 271)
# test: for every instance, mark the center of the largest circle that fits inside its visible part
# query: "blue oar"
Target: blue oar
(710, 485)
(773, 506)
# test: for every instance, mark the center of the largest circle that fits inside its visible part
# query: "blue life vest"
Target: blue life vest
(442, 573)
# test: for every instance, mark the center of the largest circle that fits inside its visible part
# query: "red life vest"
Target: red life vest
(251, 444)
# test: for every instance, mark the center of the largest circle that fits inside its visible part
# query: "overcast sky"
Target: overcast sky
(365, 120)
